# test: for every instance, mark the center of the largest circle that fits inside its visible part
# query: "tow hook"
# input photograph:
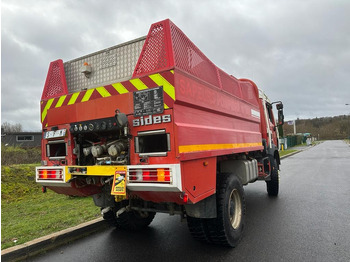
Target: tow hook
(105, 210)
(122, 210)
(108, 180)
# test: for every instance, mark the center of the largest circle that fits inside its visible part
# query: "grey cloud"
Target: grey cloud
(297, 51)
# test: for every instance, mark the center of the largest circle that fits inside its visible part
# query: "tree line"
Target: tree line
(323, 128)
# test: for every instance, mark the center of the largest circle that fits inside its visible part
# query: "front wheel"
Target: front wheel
(272, 186)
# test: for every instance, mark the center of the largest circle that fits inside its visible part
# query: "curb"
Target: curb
(291, 154)
(298, 151)
(54, 240)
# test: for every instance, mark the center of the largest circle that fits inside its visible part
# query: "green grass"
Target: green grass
(27, 213)
(286, 152)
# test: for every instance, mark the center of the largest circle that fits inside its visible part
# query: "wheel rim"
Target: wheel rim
(235, 209)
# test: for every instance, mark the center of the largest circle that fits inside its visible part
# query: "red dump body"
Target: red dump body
(207, 113)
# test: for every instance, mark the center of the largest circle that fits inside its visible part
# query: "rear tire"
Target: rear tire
(129, 220)
(227, 228)
(134, 220)
(272, 186)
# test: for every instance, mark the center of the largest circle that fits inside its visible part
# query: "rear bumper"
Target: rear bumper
(70, 173)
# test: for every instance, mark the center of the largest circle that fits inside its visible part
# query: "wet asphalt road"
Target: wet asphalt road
(308, 221)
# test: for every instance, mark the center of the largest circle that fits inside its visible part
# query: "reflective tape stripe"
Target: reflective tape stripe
(167, 87)
(60, 101)
(138, 84)
(87, 95)
(47, 106)
(120, 88)
(103, 92)
(209, 147)
(73, 98)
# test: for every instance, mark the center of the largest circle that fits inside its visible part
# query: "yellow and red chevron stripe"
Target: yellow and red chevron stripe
(165, 79)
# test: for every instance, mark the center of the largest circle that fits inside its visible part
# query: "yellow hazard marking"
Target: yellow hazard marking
(47, 106)
(208, 147)
(167, 87)
(98, 170)
(120, 88)
(87, 95)
(73, 98)
(60, 101)
(138, 84)
(103, 92)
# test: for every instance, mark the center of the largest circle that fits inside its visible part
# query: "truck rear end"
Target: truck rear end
(148, 126)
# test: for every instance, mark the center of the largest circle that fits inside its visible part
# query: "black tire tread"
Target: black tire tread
(132, 221)
(272, 186)
(213, 230)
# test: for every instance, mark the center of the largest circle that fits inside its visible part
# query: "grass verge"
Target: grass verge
(27, 213)
(288, 151)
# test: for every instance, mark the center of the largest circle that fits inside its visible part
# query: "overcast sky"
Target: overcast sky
(296, 51)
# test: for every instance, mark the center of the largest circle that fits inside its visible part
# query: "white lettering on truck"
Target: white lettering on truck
(150, 120)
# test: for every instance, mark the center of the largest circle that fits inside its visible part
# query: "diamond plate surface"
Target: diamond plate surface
(109, 66)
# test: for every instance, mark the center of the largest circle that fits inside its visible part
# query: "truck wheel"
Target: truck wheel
(199, 229)
(134, 220)
(227, 228)
(110, 217)
(272, 186)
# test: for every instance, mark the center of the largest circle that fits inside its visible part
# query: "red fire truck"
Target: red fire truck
(152, 125)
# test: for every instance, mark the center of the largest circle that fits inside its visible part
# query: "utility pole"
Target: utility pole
(348, 123)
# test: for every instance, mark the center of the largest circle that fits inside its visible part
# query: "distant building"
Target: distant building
(21, 139)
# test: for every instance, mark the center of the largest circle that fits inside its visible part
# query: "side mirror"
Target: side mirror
(280, 117)
(279, 106)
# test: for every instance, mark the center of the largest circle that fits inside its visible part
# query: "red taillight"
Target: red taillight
(154, 175)
(185, 197)
(50, 174)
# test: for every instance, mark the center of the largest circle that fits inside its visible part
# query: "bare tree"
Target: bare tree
(7, 127)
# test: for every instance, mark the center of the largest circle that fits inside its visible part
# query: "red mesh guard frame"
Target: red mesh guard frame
(157, 52)
(167, 47)
(55, 84)
(189, 58)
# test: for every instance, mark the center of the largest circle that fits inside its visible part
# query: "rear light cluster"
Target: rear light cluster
(50, 174)
(153, 175)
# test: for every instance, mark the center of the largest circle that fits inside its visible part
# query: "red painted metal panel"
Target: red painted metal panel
(159, 197)
(88, 190)
(68, 140)
(199, 178)
(208, 118)
(170, 158)
(61, 115)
